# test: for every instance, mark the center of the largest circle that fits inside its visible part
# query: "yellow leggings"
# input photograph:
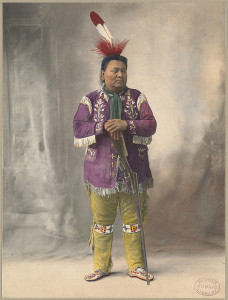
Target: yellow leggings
(104, 210)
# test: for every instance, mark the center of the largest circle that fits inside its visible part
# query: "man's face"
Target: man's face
(115, 75)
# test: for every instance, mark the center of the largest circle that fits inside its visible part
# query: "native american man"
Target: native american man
(110, 113)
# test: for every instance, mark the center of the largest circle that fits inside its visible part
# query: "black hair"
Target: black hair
(107, 59)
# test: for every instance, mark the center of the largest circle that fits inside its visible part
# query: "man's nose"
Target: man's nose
(120, 73)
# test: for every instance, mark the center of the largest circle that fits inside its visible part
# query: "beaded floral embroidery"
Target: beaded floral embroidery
(140, 273)
(103, 229)
(99, 108)
(131, 228)
(132, 127)
(102, 95)
(96, 275)
(140, 100)
(131, 108)
(86, 101)
(91, 154)
(99, 127)
(142, 152)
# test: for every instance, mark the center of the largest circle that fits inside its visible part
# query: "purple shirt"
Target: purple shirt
(103, 170)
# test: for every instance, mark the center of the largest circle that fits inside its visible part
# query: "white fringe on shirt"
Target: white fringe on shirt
(120, 187)
(142, 140)
(85, 141)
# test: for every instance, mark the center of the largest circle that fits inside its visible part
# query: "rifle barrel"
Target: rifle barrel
(120, 149)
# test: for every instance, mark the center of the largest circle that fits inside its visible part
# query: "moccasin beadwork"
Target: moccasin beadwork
(140, 273)
(96, 275)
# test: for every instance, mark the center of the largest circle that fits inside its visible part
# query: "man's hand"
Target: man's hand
(114, 128)
(115, 125)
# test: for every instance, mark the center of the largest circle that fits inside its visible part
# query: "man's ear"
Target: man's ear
(102, 75)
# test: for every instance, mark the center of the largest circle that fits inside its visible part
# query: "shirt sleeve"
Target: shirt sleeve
(146, 125)
(85, 130)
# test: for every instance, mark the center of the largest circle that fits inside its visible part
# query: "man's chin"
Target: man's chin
(120, 85)
(117, 87)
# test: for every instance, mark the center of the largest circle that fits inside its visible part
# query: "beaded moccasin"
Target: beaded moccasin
(140, 273)
(96, 275)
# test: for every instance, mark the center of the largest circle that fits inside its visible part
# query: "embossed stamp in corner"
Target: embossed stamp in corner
(207, 286)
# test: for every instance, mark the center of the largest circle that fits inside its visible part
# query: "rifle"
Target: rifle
(121, 150)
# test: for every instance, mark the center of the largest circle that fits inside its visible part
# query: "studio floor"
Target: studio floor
(176, 276)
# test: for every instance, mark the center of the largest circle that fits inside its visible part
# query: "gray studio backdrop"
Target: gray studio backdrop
(176, 58)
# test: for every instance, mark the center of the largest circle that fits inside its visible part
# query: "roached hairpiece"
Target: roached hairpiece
(106, 45)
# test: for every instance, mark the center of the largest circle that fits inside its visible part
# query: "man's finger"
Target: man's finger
(110, 122)
(111, 125)
(112, 128)
(114, 121)
(108, 126)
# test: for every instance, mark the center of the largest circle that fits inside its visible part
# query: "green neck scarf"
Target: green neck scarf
(115, 103)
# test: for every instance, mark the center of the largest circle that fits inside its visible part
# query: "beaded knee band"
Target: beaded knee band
(103, 229)
(131, 228)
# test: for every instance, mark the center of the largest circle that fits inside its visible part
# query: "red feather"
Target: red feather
(106, 49)
(96, 19)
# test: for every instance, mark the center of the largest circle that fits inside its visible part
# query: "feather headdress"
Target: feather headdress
(106, 44)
